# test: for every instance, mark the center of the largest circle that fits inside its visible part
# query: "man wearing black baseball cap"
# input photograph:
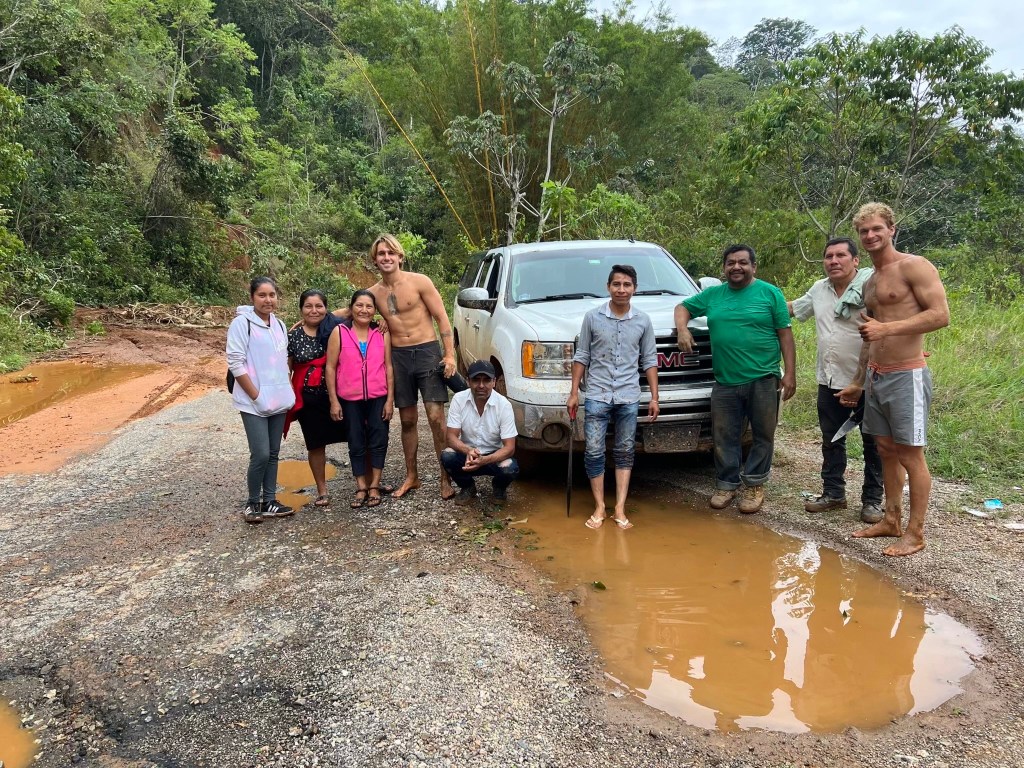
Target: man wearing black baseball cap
(481, 437)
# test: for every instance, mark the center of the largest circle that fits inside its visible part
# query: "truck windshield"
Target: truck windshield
(553, 275)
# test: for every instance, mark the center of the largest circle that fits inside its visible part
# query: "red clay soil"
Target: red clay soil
(190, 360)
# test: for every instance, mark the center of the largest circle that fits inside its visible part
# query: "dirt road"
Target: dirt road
(145, 625)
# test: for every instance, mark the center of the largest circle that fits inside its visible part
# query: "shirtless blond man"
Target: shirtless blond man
(411, 305)
(905, 300)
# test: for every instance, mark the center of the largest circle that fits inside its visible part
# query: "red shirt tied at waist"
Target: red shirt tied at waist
(309, 374)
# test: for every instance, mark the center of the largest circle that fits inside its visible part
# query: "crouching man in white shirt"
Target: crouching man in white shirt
(481, 437)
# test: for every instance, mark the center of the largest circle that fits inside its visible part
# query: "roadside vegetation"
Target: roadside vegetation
(167, 151)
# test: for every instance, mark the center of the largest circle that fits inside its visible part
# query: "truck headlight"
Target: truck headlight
(546, 360)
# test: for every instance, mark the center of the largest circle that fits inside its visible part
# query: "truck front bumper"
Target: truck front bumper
(684, 425)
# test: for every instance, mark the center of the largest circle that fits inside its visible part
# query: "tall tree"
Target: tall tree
(769, 45)
(855, 119)
(573, 74)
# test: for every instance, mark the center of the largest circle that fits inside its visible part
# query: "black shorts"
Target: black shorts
(418, 368)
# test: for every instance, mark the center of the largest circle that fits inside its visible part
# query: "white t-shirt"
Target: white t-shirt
(484, 432)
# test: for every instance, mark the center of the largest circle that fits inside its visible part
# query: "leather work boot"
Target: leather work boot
(751, 499)
(824, 503)
(722, 498)
(871, 513)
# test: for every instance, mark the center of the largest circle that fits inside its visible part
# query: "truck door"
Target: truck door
(463, 319)
(484, 323)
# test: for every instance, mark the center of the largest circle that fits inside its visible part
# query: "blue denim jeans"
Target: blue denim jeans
(595, 429)
(756, 402)
(502, 474)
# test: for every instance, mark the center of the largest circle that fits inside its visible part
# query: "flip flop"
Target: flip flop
(323, 500)
(624, 523)
(594, 522)
(360, 499)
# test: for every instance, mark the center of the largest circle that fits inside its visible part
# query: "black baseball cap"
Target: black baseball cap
(482, 368)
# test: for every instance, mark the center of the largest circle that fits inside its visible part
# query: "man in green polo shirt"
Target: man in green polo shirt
(750, 332)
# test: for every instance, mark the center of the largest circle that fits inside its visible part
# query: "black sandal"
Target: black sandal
(360, 500)
(371, 500)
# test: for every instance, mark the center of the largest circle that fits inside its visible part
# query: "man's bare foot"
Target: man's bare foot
(907, 545)
(409, 484)
(447, 492)
(884, 528)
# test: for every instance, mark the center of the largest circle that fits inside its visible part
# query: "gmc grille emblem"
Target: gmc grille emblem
(677, 360)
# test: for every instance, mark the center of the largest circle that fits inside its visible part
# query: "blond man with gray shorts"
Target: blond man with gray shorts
(904, 299)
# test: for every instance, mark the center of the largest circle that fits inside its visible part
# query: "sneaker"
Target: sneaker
(722, 498)
(275, 508)
(500, 495)
(466, 495)
(251, 514)
(871, 513)
(824, 503)
(751, 499)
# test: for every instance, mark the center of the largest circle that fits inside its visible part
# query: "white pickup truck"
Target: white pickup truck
(521, 307)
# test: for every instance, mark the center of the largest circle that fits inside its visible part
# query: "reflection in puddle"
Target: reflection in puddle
(294, 478)
(54, 382)
(728, 625)
(17, 746)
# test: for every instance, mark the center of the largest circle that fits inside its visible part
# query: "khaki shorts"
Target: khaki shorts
(896, 405)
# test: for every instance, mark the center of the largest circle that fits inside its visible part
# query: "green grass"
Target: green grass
(976, 420)
(20, 342)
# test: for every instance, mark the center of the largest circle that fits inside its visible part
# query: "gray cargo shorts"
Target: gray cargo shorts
(896, 405)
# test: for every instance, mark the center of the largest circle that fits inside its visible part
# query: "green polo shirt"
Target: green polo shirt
(743, 325)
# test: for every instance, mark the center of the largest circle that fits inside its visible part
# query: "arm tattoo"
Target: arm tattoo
(445, 334)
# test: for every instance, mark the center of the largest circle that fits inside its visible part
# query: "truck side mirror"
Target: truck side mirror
(475, 298)
(708, 282)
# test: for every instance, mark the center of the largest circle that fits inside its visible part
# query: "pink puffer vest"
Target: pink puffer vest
(361, 378)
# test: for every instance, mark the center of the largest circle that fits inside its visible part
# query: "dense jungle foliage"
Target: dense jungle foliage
(164, 150)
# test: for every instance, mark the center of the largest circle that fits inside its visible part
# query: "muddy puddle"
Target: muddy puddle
(17, 745)
(728, 625)
(295, 483)
(44, 384)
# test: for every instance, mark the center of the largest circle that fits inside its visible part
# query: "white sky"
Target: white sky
(997, 23)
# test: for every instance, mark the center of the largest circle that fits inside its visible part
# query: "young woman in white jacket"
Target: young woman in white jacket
(257, 352)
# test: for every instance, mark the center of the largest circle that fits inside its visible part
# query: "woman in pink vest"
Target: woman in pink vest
(360, 385)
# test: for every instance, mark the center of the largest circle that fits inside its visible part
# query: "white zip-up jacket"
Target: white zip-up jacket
(261, 350)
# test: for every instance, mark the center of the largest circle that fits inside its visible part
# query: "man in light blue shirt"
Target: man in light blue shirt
(615, 341)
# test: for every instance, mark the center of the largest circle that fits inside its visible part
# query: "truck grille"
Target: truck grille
(677, 370)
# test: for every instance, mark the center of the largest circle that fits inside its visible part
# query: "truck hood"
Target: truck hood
(561, 320)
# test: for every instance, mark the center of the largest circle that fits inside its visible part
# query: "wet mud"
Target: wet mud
(45, 384)
(83, 394)
(17, 744)
(731, 626)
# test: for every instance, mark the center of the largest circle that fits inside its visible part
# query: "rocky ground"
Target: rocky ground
(145, 625)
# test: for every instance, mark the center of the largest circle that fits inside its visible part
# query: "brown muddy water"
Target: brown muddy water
(295, 478)
(44, 384)
(17, 745)
(726, 624)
